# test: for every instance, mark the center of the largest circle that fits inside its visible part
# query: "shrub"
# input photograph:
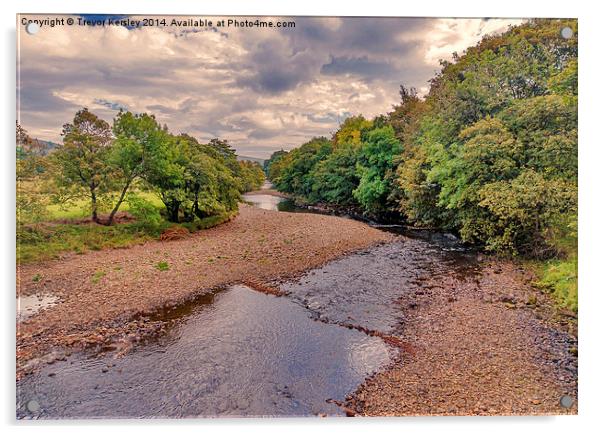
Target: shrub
(147, 214)
(162, 266)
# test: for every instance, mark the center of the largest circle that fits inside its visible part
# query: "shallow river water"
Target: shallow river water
(237, 352)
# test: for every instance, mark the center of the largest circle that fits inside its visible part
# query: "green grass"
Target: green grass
(162, 266)
(41, 242)
(97, 277)
(81, 208)
(48, 241)
(560, 278)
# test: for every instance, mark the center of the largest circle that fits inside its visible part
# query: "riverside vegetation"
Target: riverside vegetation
(489, 154)
(168, 185)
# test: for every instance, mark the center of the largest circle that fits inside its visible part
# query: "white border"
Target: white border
(590, 166)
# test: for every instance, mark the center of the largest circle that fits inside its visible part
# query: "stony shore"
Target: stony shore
(107, 296)
(488, 345)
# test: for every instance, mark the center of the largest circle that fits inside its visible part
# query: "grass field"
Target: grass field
(42, 241)
(56, 236)
(80, 209)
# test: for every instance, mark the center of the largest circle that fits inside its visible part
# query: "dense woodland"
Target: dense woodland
(490, 153)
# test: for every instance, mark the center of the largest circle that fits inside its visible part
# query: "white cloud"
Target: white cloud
(455, 35)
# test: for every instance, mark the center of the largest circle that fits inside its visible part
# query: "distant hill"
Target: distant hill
(40, 147)
(253, 159)
(47, 146)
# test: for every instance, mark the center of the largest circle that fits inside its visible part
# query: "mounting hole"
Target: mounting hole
(566, 401)
(33, 406)
(566, 33)
(32, 28)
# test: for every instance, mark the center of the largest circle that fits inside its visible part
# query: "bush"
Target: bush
(148, 216)
(560, 278)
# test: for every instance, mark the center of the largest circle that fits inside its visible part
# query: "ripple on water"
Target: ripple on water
(363, 289)
(237, 353)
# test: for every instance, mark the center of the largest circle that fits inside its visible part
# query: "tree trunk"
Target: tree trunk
(94, 204)
(173, 212)
(118, 204)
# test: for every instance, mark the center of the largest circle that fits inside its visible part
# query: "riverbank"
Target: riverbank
(492, 344)
(106, 297)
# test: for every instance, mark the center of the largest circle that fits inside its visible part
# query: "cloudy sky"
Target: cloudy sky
(262, 89)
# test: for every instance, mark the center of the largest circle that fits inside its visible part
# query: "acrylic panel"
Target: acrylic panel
(295, 216)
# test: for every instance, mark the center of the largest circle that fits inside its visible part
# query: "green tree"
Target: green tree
(194, 180)
(376, 169)
(252, 176)
(141, 147)
(82, 160)
(335, 178)
(31, 188)
(503, 113)
(350, 131)
(522, 212)
(274, 165)
(296, 177)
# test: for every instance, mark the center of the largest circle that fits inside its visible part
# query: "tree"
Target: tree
(376, 168)
(406, 115)
(335, 178)
(194, 180)
(222, 151)
(82, 160)
(510, 178)
(296, 175)
(141, 147)
(523, 212)
(211, 187)
(501, 115)
(31, 189)
(252, 176)
(273, 166)
(350, 131)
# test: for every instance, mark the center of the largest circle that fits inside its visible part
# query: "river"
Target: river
(238, 352)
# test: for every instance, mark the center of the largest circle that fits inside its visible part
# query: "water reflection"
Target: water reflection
(264, 201)
(29, 305)
(276, 203)
(237, 353)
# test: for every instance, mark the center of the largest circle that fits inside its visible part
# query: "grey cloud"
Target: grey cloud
(263, 133)
(366, 47)
(327, 118)
(37, 98)
(110, 104)
(357, 65)
(277, 67)
(363, 35)
(159, 108)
